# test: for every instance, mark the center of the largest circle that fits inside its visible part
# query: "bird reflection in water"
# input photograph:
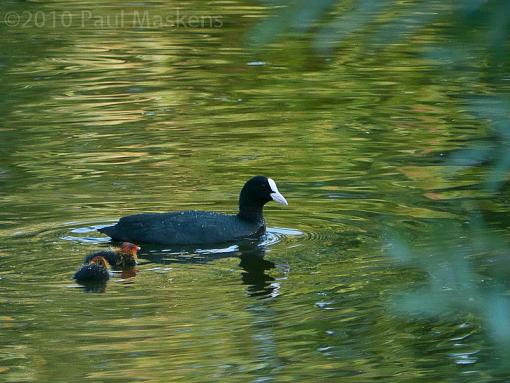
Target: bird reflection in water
(254, 274)
(94, 287)
(254, 267)
(124, 276)
(128, 273)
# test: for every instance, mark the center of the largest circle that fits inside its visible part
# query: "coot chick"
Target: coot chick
(201, 227)
(96, 271)
(125, 256)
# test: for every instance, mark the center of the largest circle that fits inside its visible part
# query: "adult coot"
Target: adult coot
(201, 227)
(123, 257)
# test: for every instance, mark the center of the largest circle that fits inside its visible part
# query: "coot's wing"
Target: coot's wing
(147, 228)
(180, 228)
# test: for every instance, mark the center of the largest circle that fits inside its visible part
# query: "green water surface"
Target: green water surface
(107, 110)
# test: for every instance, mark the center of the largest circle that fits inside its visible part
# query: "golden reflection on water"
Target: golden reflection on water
(106, 122)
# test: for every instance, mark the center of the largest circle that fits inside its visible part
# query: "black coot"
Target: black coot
(201, 227)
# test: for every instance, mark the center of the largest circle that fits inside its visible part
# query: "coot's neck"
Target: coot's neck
(251, 213)
(250, 209)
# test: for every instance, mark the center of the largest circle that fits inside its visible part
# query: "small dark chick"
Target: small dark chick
(123, 257)
(97, 270)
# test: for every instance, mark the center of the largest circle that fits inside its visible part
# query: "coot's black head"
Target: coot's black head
(255, 194)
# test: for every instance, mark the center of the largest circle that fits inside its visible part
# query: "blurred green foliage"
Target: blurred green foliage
(464, 32)
(381, 125)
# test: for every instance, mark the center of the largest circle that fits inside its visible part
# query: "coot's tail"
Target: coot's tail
(110, 231)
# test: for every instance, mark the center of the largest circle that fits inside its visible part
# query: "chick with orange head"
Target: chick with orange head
(124, 256)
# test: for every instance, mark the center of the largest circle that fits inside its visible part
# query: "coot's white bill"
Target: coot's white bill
(277, 197)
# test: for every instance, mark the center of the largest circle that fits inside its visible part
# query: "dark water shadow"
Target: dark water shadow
(251, 255)
(117, 275)
(93, 287)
